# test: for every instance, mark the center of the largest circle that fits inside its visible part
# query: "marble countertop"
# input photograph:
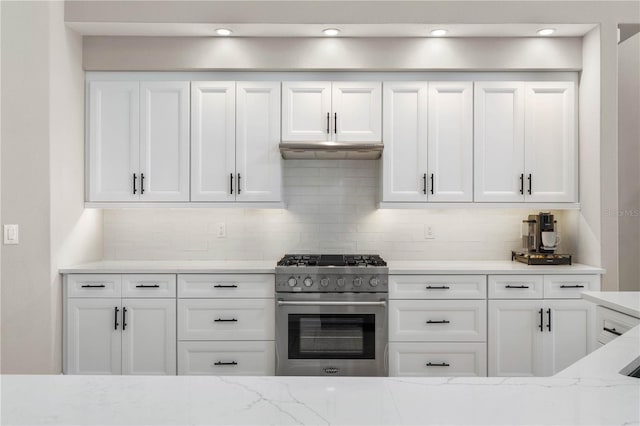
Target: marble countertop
(268, 267)
(627, 302)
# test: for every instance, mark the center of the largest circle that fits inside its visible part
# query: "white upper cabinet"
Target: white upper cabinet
(258, 159)
(114, 149)
(499, 141)
(316, 111)
(213, 140)
(450, 141)
(550, 142)
(405, 141)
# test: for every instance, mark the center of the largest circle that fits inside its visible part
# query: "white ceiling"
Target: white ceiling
(315, 30)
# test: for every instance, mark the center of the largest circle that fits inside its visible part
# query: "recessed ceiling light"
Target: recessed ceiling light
(546, 31)
(439, 32)
(223, 31)
(331, 32)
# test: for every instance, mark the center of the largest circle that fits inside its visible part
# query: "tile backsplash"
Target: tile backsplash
(331, 208)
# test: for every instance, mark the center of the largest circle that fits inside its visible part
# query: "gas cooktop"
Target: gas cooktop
(359, 260)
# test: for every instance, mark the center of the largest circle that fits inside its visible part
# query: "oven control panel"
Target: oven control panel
(298, 282)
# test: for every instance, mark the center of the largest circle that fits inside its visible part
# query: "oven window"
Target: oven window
(332, 336)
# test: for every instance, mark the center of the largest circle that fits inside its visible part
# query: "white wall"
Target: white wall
(628, 162)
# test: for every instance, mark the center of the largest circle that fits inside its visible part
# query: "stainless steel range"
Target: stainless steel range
(331, 315)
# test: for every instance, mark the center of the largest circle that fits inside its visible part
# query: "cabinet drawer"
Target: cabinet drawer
(610, 324)
(438, 359)
(149, 285)
(441, 320)
(437, 286)
(515, 286)
(94, 285)
(569, 286)
(226, 319)
(226, 286)
(226, 358)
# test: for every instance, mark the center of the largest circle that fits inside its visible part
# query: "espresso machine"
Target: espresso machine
(540, 240)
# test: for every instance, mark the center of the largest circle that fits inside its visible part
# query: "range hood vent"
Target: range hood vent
(326, 150)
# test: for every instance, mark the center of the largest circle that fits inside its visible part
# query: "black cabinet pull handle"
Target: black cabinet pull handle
(238, 183)
(226, 363)
(549, 323)
(141, 183)
(440, 364)
(134, 183)
(438, 322)
(124, 319)
(225, 286)
(225, 320)
(147, 286)
(328, 118)
(530, 180)
(522, 183)
(115, 318)
(571, 286)
(92, 286)
(335, 122)
(437, 287)
(424, 184)
(541, 320)
(612, 331)
(431, 183)
(516, 286)
(230, 183)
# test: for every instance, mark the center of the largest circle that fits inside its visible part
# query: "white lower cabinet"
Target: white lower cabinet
(438, 359)
(610, 324)
(229, 358)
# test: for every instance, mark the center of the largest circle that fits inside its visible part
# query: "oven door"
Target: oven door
(319, 334)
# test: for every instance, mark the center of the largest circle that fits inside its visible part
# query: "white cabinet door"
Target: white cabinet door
(213, 140)
(515, 338)
(258, 168)
(114, 148)
(164, 141)
(450, 144)
(149, 336)
(306, 110)
(551, 154)
(92, 335)
(357, 111)
(570, 329)
(499, 141)
(405, 141)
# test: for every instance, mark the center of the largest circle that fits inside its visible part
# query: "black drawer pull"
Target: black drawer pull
(225, 286)
(438, 287)
(612, 331)
(549, 323)
(115, 318)
(148, 286)
(571, 286)
(124, 319)
(225, 320)
(541, 312)
(226, 363)
(92, 286)
(516, 286)
(438, 322)
(440, 364)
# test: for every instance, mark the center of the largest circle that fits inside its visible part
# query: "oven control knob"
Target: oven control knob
(357, 282)
(341, 282)
(308, 282)
(292, 282)
(374, 282)
(324, 282)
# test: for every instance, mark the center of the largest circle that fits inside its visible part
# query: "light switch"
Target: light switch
(11, 234)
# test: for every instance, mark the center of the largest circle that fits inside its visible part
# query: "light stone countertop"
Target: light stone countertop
(268, 267)
(590, 392)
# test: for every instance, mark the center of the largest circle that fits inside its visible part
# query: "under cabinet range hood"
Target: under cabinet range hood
(327, 150)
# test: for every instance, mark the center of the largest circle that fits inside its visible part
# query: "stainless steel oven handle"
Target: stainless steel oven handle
(336, 303)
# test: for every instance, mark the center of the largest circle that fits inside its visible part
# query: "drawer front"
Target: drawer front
(438, 359)
(226, 319)
(610, 324)
(569, 286)
(226, 358)
(149, 285)
(515, 286)
(437, 286)
(437, 321)
(226, 286)
(94, 285)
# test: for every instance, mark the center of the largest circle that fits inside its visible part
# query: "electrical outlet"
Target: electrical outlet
(429, 232)
(221, 230)
(11, 234)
